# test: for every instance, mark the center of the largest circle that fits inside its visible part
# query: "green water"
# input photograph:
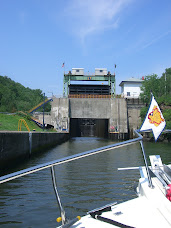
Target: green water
(83, 184)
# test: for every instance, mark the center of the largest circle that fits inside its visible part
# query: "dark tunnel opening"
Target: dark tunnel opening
(89, 127)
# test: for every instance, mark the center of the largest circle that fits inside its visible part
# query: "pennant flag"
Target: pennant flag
(154, 120)
(63, 64)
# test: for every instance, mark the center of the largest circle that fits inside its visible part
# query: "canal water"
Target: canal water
(83, 184)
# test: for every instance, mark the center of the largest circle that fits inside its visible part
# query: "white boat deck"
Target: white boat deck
(150, 209)
(137, 213)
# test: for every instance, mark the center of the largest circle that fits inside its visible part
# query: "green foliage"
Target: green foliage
(15, 97)
(165, 100)
(143, 112)
(166, 82)
(150, 84)
(167, 114)
(161, 89)
(167, 117)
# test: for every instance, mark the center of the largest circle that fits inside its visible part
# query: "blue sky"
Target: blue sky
(37, 36)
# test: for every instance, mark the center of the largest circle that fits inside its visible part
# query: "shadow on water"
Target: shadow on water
(83, 184)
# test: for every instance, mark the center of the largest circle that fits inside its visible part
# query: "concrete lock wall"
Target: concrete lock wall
(118, 116)
(90, 108)
(60, 114)
(47, 117)
(123, 115)
(134, 120)
(115, 110)
(15, 146)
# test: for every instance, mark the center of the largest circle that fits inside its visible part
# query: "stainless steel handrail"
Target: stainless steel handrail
(63, 219)
(37, 168)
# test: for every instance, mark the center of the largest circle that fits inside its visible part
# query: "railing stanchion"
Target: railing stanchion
(146, 166)
(62, 212)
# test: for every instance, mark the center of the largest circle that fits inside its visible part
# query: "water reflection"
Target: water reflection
(83, 184)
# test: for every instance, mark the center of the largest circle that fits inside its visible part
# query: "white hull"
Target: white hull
(150, 209)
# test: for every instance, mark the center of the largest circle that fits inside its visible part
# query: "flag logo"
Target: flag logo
(154, 120)
(155, 117)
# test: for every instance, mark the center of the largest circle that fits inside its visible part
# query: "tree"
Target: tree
(150, 84)
(15, 97)
(161, 89)
(166, 82)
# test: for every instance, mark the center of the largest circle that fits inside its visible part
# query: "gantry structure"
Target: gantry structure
(77, 84)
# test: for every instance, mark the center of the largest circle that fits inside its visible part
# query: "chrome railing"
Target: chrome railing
(37, 168)
(51, 165)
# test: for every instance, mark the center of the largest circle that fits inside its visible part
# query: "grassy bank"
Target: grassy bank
(10, 123)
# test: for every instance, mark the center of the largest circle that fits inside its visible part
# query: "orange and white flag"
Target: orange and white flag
(154, 120)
